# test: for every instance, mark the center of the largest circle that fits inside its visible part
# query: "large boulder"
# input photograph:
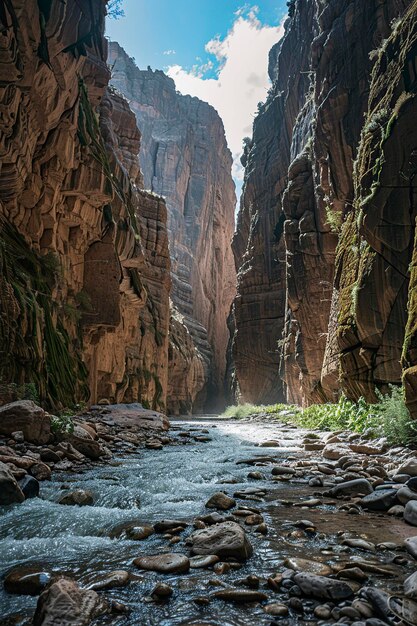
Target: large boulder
(225, 540)
(25, 416)
(322, 588)
(63, 602)
(10, 492)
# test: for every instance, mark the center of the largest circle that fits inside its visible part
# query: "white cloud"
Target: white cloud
(169, 52)
(242, 79)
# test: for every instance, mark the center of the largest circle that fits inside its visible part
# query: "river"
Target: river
(148, 486)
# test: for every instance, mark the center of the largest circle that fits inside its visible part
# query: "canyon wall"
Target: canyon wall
(326, 225)
(184, 157)
(85, 267)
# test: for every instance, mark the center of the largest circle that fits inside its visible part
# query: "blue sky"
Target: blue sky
(216, 50)
(151, 28)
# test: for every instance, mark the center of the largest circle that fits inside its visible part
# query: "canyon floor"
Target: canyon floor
(318, 557)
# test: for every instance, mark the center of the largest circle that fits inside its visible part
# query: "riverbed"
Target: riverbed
(175, 482)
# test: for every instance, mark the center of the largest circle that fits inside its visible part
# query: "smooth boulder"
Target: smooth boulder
(356, 487)
(381, 500)
(10, 492)
(410, 512)
(227, 539)
(220, 501)
(322, 588)
(164, 563)
(27, 417)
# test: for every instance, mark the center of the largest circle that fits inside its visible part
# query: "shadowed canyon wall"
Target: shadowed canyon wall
(184, 157)
(85, 267)
(325, 233)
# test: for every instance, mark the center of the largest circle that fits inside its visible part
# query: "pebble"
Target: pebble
(220, 501)
(162, 591)
(276, 609)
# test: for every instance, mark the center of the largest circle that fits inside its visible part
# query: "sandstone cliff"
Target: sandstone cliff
(85, 268)
(184, 157)
(326, 226)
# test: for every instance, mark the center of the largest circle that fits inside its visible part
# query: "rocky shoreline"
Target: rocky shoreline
(336, 510)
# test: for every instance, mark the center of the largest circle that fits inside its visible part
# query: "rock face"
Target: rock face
(185, 158)
(325, 231)
(85, 268)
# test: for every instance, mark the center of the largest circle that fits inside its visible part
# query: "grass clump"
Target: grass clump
(243, 411)
(389, 417)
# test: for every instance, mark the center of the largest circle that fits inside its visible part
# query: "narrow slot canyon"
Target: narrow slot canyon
(208, 377)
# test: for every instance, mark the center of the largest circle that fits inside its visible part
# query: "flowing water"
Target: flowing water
(147, 486)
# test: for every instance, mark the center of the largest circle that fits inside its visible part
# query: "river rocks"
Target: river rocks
(276, 609)
(111, 580)
(404, 495)
(311, 567)
(410, 586)
(271, 443)
(359, 486)
(227, 539)
(240, 596)
(40, 471)
(197, 562)
(164, 563)
(64, 602)
(336, 451)
(220, 501)
(323, 588)
(27, 417)
(380, 500)
(359, 544)
(161, 591)
(167, 525)
(29, 486)
(282, 470)
(409, 467)
(10, 492)
(79, 497)
(27, 580)
(132, 530)
(410, 512)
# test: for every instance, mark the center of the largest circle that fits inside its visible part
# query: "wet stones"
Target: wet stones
(199, 562)
(410, 512)
(79, 497)
(30, 486)
(381, 500)
(164, 526)
(220, 501)
(132, 530)
(359, 486)
(322, 588)
(161, 591)
(10, 492)
(27, 580)
(112, 580)
(227, 539)
(171, 563)
(305, 565)
(64, 602)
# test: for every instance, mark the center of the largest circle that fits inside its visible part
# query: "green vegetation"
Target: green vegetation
(389, 417)
(243, 411)
(35, 348)
(62, 424)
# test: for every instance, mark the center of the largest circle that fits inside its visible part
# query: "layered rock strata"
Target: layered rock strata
(184, 157)
(84, 251)
(322, 253)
